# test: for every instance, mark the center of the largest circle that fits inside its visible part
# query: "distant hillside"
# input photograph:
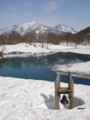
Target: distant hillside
(82, 37)
(36, 32)
(37, 28)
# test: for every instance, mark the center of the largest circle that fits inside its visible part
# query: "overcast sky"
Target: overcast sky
(74, 13)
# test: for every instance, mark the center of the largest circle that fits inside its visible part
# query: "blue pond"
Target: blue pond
(35, 67)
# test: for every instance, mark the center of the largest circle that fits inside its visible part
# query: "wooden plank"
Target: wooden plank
(64, 90)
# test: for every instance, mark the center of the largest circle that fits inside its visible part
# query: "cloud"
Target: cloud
(52, 6)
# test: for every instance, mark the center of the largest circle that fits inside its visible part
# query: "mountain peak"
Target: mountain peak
(30, 23)
(64, 28)
(37, 28)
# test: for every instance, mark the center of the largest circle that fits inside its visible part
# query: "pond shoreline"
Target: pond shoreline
(75, 74)
(30, 48)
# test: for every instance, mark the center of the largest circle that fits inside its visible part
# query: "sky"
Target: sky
(74, 13)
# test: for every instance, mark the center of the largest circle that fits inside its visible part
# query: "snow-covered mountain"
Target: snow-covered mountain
(26, 28)
(37, 28)
(60, 29)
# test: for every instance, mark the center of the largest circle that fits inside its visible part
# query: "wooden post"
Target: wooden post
(64, 90)
(57, 86)
(71, 87)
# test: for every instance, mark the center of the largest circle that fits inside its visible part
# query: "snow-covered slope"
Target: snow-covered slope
(37, 28)
(25, 28)
(8, 29)
(60, 29)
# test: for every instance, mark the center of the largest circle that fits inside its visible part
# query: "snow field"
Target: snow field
(22, 99)
(37, 48)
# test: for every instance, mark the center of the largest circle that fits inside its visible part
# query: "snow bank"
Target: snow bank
(80, 69)
(38, 48)
(22, 99)
(23, 47)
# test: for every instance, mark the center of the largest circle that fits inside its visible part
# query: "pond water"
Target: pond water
(35, 66)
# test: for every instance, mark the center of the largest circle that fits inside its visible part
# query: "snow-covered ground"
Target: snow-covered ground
(27, 48)
(22, 99)
(79, 69)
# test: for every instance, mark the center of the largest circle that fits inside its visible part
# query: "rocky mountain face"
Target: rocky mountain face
(37, 28)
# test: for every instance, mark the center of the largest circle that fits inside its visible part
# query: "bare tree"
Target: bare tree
(2, 42)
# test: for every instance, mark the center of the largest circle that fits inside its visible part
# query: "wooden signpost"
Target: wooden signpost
(64, 90)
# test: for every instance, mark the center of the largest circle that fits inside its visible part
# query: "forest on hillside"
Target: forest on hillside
(80, 38)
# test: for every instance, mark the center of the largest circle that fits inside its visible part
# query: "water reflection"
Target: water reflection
(56, 58)
(34, 66)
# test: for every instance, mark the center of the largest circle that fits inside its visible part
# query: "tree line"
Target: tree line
(82, 37)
